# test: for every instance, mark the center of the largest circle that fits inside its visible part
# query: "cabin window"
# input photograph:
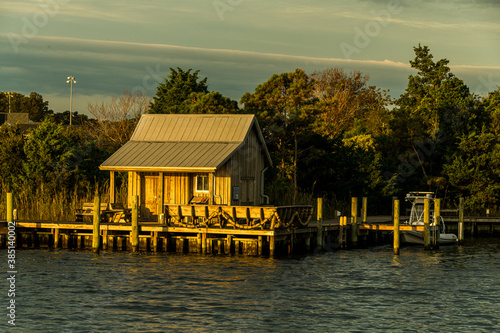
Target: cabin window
(202, 183)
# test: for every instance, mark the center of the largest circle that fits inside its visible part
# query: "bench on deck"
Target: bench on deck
(88, 211)
(113, 212)
(119, 213)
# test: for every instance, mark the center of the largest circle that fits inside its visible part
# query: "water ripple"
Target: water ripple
(453, 289)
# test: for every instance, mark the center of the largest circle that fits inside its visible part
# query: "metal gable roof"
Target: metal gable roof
(183, 142)
(175, 128)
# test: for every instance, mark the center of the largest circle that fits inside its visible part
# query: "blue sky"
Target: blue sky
(111, 46)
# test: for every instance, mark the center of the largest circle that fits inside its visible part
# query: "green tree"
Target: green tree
(183, 92)
(33, 104)
(475, 170)
(435, 110)
(48, 154)
(212, 102)
(172, 95)
(283, 106)
(63, 118)
(11, 155)
(491, 105)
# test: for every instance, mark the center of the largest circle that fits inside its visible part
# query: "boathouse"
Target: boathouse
(192, 159)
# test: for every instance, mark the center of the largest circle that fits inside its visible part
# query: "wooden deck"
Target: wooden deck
(157, 237)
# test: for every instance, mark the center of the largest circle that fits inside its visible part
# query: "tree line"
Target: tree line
(329, 133)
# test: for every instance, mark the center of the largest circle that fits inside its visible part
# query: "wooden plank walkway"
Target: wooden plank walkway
(229, 240)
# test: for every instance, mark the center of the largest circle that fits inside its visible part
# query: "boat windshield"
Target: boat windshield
(417, 214)
(417, 208)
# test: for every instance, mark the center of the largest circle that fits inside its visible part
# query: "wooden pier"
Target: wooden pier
(258, 231)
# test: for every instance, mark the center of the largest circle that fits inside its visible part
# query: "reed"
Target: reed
(38, 204)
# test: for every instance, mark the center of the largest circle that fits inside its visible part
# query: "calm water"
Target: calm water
(454, 290)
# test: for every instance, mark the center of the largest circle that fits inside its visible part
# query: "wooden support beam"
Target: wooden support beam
(204, 243)
(365, 209)
(160, 200)
(105, 239)
(319, 214)
(112, 187)
(211, 188)
(354, 222)
(229, 241)
(10, 207)
(134, 234)
(427, 233)
(272, 245)
(198, 243)
(396, 227)
(461, 221)
(437, 222)
(154, 240)
(219, 246)
(56, 238)
(97, 224)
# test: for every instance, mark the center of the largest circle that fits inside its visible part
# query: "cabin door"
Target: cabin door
(150, 195)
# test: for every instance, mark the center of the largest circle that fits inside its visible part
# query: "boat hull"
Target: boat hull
(417, 237)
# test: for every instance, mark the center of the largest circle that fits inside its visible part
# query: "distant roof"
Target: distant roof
(163, 142)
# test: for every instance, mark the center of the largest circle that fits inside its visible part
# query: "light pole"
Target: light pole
(10, 94)
(71, 80)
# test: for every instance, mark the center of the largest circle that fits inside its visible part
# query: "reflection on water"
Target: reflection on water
(454, 289)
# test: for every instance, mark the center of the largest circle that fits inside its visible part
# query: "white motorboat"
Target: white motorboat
(417, 218)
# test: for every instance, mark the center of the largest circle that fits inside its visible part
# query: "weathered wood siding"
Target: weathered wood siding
(178, 188)
(246, 166)
(223, 185)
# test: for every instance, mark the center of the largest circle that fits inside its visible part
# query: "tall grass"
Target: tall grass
(37, 204)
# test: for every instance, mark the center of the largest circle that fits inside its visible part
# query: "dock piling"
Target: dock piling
(105, 239)
(396, 227)
(56, 238)
(97, 224)
(365, 209)
(10, 206)
(427, 233)
(134, 235)
(320, 224)
(461, 221)
(437, 219)
(354, 222)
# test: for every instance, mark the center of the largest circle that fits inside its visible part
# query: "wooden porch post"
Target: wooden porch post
(211, 188)
(112, 190)
(159, 210)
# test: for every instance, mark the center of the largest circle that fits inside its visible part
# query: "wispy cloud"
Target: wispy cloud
(108, 68)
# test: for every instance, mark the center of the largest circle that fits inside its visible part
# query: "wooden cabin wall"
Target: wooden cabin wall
(223, 185)
(246, 166)
(177, 188)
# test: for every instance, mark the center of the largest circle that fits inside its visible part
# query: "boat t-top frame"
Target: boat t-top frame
(417, 208)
